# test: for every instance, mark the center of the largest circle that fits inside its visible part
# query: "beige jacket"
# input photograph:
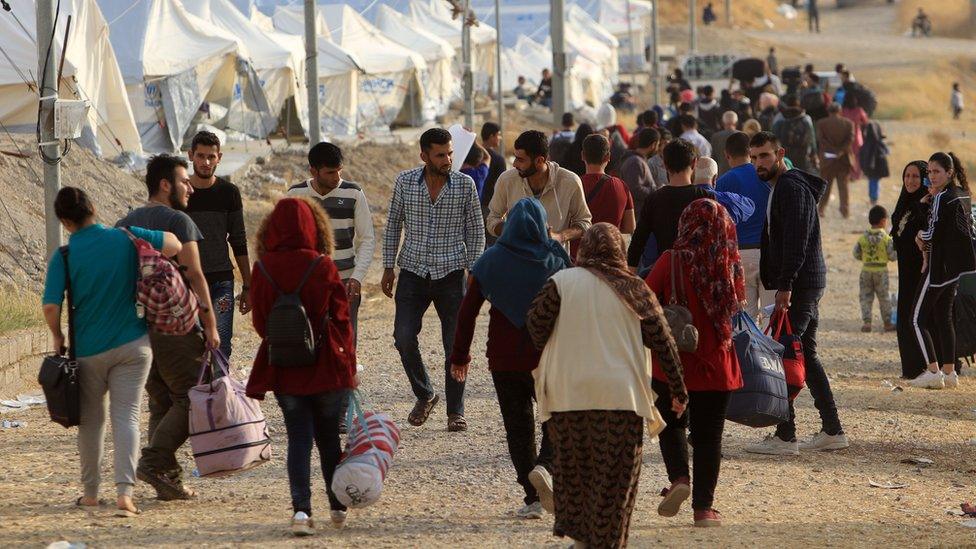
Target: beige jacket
(562, 199)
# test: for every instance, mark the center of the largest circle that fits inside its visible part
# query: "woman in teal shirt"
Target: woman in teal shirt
(111, 342)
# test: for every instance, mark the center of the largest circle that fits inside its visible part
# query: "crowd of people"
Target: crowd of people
(590, 235)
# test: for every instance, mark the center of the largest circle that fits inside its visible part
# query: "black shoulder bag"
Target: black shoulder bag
(59, 374)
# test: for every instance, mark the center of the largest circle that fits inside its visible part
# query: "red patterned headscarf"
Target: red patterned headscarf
(708, 248)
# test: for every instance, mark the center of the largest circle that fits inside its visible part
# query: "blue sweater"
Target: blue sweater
(743, 180)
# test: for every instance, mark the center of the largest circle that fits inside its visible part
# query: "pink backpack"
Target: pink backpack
(228, 432)
(169, 306)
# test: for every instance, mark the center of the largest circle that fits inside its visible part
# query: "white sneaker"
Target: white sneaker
(930, 380)
(542, 481)
(951, 380)
(338, 519)
(302, 525)
(774, 446)
(822, 441)
(530, 511)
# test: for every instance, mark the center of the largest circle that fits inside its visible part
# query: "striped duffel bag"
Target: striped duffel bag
(358, 480)
(227, 429)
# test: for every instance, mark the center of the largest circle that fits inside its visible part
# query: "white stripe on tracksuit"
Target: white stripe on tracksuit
(918, 329)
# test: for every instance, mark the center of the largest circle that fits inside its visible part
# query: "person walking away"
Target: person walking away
(947, 251)
(771, 62)
(874, 250)
(797, 134)
(559, 190)
(742, 179)
(491, 140)
(835, 137)
(852, 111)
(729, 122)
(295, 245)
(509, 276)
(708, 14)
(218, 211)
(635, 171)
(112, 345)
(709, 112)
(352, 225)
(739, 208)
(567, 131)
(814, 99)
(607, 197)
(768, 113)
(595, 398)
(813, 16)
(656, 162)
(572, 158)
(956, 101)
(176, 358)
(689, 132)
(910, 217)
(705, 255)
(792, 263)
(921, 24)
(873, 159)
(437, 211)
(475, 166)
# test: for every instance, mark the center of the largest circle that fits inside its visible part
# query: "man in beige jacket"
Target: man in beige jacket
(559, 190)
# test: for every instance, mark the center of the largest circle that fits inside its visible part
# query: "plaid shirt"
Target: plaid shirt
(440, 237)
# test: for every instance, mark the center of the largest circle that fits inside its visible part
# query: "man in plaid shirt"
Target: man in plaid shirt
(438, 212)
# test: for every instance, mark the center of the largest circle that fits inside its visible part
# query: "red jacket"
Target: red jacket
(510, 349)
(713, 367)
(291, 241)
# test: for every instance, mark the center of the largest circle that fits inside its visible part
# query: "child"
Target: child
(476, 166)
(875, 249)
(956, 101)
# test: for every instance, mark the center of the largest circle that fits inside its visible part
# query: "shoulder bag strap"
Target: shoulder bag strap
(267, 275)
(308, 273)
(677, 282)
(674, 293)
(71, 304)
(596, 189)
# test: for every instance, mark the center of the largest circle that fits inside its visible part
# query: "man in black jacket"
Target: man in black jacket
(491, 140)
(791, 262)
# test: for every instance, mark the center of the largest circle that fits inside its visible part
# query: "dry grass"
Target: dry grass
(749, 14)
(19, 309)
(920, 92)
(949, 17)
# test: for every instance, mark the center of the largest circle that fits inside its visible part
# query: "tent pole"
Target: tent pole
(693, 28)
(312, 74)
(466, 62)
(557, 21)
(498, 76)
(50, 147)
(633, 59)
(655, 58)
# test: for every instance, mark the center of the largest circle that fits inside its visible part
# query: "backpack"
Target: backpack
(814, 104)
(162, 295)
(794, 132)
(291, 341)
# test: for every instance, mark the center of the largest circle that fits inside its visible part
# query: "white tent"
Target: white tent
(274, 79)
(91, 72)
(435, 17)
(613, 15)
(584, 79)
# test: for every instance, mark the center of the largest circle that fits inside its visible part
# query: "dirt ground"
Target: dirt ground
(458, 489)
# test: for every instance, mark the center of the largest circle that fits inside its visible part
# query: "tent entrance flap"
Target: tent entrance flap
(181, 100)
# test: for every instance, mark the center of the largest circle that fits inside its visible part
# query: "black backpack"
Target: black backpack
(291, 341)
(794, 134)
(813, 103)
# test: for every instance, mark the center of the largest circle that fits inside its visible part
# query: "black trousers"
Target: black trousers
(516, 392)
(705, 416)
(933, 315)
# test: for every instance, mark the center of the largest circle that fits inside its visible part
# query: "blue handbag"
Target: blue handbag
(763, 400)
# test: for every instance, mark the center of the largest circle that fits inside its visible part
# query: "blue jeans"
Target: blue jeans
(414, 294)
(222, 298)
(805, 317)
(874, 189)
(308, 419)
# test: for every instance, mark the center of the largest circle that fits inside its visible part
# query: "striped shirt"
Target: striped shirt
(349, 213)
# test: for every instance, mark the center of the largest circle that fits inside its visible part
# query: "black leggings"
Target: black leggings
(707, 419)
(933, 315)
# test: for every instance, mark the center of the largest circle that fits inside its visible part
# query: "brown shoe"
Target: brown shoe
(168, 487)
(866, 328)
(889, 327)
(421, 411)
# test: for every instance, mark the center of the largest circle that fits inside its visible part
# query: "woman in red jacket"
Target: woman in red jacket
(709, 272)
(293, 239)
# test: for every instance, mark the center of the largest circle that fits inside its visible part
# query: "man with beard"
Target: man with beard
(217, 209)
(532, 174)
(438, 212)
(176, 359)
(792, 263)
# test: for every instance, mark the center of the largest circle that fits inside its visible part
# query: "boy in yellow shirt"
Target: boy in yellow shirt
(874, 250)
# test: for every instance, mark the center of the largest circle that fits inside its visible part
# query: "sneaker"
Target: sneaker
(707, 518)
(530, 511)
(674, 497)
(338, 518)
(951, 380)
(889, 327)
(866, 327)
(822, 441)
(302, 525)
(168, 486)
(542, 482)
(930, 380)
(774, 446)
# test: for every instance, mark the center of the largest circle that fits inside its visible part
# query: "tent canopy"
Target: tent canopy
(332, 58)
(254, 43)
(399, 28)
(378, 53)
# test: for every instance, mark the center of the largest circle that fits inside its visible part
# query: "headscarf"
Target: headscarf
(573, 159)
(707, 247)
(513, 270)
(602, 253)
(906, 200)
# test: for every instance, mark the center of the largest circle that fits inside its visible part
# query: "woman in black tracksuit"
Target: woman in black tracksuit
(910, 216)
(948, 244)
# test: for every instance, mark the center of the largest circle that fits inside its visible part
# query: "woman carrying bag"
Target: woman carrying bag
(295, 242)
(704, 269)
(909, 217)
(873, 159)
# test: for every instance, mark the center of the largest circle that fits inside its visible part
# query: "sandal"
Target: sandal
(100, 503)
(456, 423)
(126, 513)
(421, 411)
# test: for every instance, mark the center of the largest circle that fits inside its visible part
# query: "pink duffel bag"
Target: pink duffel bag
(228, 432)
(358, 480)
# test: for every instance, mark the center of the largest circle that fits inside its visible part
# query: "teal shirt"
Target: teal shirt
(103, 267)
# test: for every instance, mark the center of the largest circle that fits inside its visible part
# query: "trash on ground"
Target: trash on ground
(888, 485)
(971, 523)
(67, 545)
(955, 512)
(924, 462)
(968, 509)
(8, 424)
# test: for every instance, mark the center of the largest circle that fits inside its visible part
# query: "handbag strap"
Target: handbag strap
(354, 411)
(211, 357)
(71, 304)
(597, 188)
(677, 288)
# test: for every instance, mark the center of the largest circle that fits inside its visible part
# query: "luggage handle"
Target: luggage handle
(210, 357)
(784, 321)
(355, 411)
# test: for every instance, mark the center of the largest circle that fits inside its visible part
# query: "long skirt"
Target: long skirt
(595, 473)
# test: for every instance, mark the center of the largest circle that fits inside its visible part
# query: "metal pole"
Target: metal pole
(633, 58)
(498, 76)
(655, 58)
(47, 67)
(728, 12)
(556, 22)
(693, 31)
(466, 60)
(312, 74)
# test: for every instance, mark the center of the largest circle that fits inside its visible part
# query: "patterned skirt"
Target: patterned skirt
(595, 473)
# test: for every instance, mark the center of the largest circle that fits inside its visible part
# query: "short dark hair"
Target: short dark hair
(205, 138)
(72, 204)
(160, 167)
(647, 137)
(708, 89)
(534, 143)
(737, 144)
(475, 155)
(595, 148)
(434, 136)
(650, 117)
(687, 121)
(568, 119)
(686, 107)
(666, 134)
(762, 138)
(488, 129)
(325, 155)
(678, 155)
(877, 214)
(791, 100)
(814, 77)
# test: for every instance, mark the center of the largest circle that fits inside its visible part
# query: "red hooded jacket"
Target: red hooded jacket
(290, 242)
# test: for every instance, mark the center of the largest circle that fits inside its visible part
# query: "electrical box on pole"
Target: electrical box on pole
(557, 21)
(312, 74)
(50, 146)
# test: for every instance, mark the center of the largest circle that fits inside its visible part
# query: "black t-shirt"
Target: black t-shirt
(659, 217)
(219, 213)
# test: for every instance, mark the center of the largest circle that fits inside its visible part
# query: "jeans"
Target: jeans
(308, 419)
(222, 298)
(874, 189)
(805, 316)
(706, 416)
(414, 294)
(516, 392)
